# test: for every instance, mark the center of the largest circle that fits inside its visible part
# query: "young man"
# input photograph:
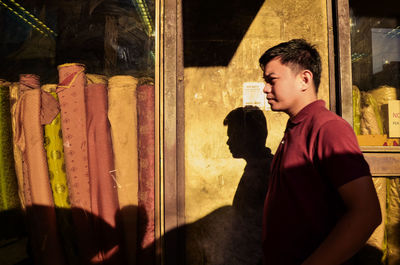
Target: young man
(321, 206)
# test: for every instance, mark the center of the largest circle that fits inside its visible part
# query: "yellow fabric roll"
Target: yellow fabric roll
(370, 121)
(377, 239)
(5, 83)
(96, 79)
(122, 114)
(14, 96)
(382, 95)
(8, 182)
(356, 110)
(55, 156)
(393, 221)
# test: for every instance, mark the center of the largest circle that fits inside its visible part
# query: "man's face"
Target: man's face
(282, 86)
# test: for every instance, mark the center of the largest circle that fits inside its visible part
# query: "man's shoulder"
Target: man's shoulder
(323, 117)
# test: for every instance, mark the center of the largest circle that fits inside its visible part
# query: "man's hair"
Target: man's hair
(298, 55)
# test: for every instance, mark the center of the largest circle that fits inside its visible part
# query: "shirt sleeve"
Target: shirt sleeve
(339, 154)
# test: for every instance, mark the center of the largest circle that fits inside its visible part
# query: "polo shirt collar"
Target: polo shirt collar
(305, 112)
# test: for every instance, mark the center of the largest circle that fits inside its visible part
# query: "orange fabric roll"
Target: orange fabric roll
(35, 108)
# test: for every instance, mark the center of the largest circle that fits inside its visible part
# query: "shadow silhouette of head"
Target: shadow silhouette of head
(247, 132)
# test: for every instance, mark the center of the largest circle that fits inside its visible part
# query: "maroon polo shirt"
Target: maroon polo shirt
(318, 153)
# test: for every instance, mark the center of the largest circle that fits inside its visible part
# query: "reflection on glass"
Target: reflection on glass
(375, 55)
(95, 203)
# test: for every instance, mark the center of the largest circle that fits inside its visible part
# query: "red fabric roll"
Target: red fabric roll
(146, 143)
(104, 196)
(71, 94)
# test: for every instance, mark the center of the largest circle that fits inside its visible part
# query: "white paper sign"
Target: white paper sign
(253, 95)
(394, 118)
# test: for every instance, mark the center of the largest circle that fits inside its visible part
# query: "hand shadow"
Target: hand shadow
(31, 237)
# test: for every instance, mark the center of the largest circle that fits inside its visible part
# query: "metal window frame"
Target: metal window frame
(383, 160)
(170, 180)
(340, 59)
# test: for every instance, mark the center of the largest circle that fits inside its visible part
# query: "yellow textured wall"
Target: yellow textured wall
(212, 175)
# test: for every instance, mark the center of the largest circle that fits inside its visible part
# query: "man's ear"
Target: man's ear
(306, 79)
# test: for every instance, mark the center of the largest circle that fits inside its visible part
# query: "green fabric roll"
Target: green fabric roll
(53, 144)
(8, 180)
(55, 157)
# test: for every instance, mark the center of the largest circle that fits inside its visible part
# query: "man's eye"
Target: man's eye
(269, 80)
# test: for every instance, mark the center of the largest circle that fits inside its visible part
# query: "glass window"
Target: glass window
(375, 55)
(77, 147)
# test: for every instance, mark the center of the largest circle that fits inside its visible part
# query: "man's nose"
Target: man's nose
(267, 88)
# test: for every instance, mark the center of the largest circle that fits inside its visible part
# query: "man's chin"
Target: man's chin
(275, 108)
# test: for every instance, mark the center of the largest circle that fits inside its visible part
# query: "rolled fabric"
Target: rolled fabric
(378, 239)
(96, 79)
(55, 156)
(146, 139)
(371, 121)
(14, 96)
(9, 198)
(382, 95)
(71, 94)
(104, 194)
(58, 179)
(122, 114)
(34, 108)
(5, 83)
(393, 221)
(356, 110)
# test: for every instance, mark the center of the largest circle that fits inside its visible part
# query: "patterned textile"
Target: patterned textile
(55, 156)
(34, 108)
(71, 94)
(146, 119)
(122, 114)
(8, 181)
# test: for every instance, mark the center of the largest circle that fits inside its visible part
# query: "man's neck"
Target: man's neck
(303, 103)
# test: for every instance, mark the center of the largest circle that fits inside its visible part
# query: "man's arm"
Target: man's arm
(351, 232)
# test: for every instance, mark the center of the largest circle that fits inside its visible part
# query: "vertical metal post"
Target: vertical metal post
(344, 60)
(172, 128)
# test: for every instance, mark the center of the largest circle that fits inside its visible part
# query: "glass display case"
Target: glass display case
(368, 49)
(79, 131)
(375, 57)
